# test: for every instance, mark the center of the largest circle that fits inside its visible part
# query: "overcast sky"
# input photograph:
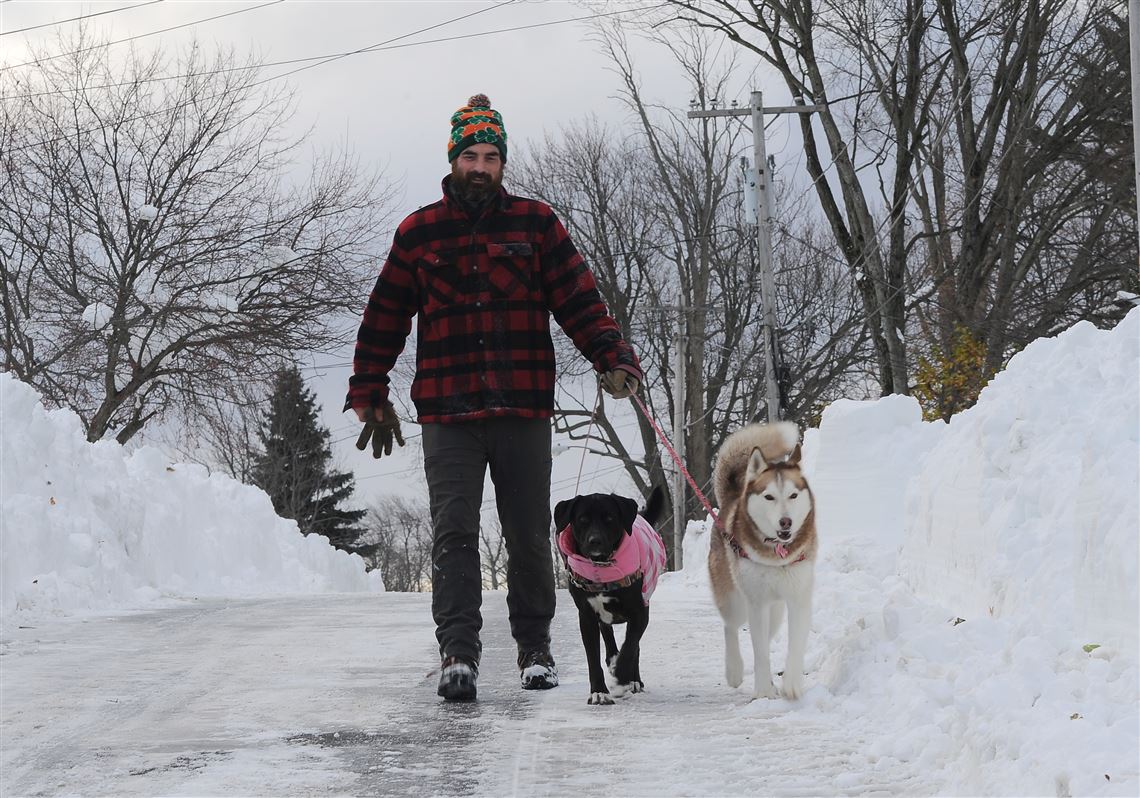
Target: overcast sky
(392, 107)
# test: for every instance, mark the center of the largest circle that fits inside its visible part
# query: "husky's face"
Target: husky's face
(778, 497)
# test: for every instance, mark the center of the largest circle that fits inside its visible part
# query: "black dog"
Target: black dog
(614, 558)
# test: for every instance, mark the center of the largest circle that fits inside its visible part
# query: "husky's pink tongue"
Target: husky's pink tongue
(780, 550)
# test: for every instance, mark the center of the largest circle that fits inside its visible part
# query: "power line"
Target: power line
(84, 16)
(38, 61)
(385, 43)
(198, 100)
(327, 57)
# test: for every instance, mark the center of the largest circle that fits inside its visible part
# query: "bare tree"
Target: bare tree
(493, 555)
(398, 541)
(1013, 220)
(657, 212)
(221, 430)
(975, 121)
(595, 178)
(161, 244)
(823, 340)
(786, 34)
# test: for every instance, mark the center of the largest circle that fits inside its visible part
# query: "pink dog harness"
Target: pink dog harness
(641, 554)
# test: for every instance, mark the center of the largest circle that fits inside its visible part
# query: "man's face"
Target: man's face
(478, 172)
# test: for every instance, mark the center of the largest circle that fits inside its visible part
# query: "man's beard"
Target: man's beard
(471, 190)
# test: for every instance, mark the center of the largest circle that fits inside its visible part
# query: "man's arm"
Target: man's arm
(383, 331)
(572, 296)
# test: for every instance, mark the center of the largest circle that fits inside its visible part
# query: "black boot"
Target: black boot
(537, 670)
(457, 679)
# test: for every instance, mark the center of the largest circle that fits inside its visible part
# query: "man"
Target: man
(484, 271)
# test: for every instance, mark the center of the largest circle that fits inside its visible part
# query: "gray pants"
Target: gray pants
(456, 457)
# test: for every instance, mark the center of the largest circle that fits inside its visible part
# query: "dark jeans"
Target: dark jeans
(456, 457)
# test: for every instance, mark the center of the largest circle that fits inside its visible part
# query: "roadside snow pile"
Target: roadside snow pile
(91, 526)
(1028, 506)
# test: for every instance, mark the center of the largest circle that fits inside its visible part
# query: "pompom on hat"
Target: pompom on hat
(476, 123)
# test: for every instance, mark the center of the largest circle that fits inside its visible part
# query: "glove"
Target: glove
(619, 383)
(380, 430)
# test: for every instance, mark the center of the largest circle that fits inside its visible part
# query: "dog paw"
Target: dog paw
(623, 689)
(793, 688)
(733, 670)
(768, 691)
(600, 699)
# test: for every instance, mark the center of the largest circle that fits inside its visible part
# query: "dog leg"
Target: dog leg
(734, 613)
(588, 625)
(799, 622)
(628, 668)
(733, 662)
(611, 646)
(759, 618)
(775, 619)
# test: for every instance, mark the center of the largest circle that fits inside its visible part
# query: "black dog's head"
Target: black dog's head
(597, 521)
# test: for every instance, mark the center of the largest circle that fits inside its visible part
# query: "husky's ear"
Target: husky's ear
(794, 457)
(756, 465)
(563, 512)
(627, 512)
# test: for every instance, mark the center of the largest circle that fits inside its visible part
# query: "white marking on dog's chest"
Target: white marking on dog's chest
(599, 604)
(775, 581)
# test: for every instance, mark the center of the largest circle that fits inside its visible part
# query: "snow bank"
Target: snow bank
(861, 461)
(1028, 505)
(91, 526)
(967, 570)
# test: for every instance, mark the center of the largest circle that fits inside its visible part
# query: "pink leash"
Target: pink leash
(677, 460)
(729, 538)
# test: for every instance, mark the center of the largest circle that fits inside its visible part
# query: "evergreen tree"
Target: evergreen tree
(295, 466)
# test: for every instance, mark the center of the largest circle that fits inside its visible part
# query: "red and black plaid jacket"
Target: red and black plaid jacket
(484, 291)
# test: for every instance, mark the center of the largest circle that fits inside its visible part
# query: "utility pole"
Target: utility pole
(757, 111)
(680, 399)
(679, 445)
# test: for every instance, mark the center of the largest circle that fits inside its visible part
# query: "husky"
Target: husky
(762, 553)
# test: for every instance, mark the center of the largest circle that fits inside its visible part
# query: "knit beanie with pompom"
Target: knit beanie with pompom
(476, 123)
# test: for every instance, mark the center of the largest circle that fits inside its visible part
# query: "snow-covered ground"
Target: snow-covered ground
(975, 627)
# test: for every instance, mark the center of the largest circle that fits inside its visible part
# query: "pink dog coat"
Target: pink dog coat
(642, 553)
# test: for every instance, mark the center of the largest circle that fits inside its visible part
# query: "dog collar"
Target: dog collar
(738, 547)
(782, 550)
(602, 587)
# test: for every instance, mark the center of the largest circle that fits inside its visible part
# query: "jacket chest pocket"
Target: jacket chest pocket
(440, 280)
(513, 269)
